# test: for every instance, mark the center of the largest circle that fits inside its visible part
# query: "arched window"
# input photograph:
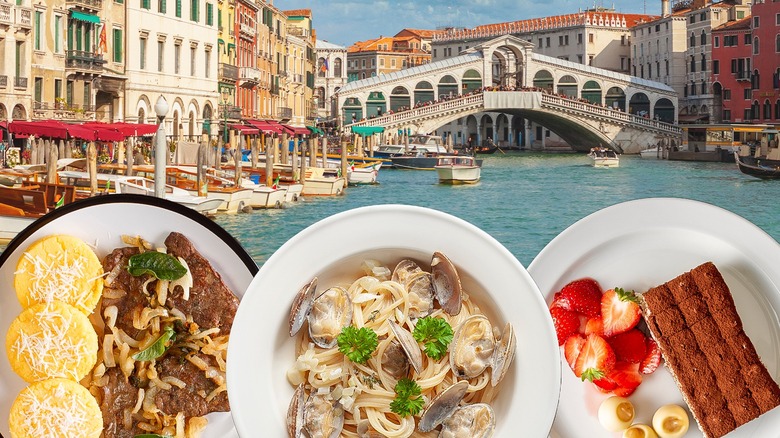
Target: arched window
(767, 110)
(755, 45)
(703, 38)
(693, 64)
(693, 40)
(703, 62)
(703, 86)
(337, 67)
(777, 43)
(777, 109)
(321, 67)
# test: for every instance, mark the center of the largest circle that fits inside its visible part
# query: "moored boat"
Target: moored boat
(319, 181)
(652, 153)
(420, 161)
(758, 170)
(454, 169)
(145, 186)
(359, 174)
(603, 157)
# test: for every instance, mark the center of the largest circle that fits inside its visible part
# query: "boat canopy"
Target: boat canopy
(367, 130)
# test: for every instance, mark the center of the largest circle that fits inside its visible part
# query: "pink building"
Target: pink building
(765, 25)
(731, 71)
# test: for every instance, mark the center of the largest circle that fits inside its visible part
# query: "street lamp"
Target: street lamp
(160, 149)
(225, 100)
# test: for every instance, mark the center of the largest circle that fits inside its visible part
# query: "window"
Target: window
(590, 59)
(161, 6)
(207, 59)
(693, 65)
(69, 93)
(566, 40)
(747, 114)
(209, 14)
(755, 21)
(666, 70)
(591, 37)
(716, 41)
(777, 43)
(726, 94)
(579, 38)
(715, 66)
(178, 8)
(703, 86)
(87, 95)
(767, 110)
(693, 89)
(392, 63)
(540, 43)
(560, 40)
(194, 13)
(692, 19)
(193, 52)
(38, 89)
(160, 55)
(692, 41)
(703, 38)
(740, 15)
(142, 53)
(177, 58)
(748, 39)
(381, 62)
(57, 88)
(726, 115)
(146, 4)
(703, 16)
(755, 46)
(117, 45)
(547, 41)
(58, 34)
(37, 37)
(703, 62)
(747, 93)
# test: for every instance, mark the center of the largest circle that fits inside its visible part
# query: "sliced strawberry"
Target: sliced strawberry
(605, 384)
(594, 326)
(566, 323)
(629, 346)
(582, 296)
(626, 376)
(595, 360)
(572, 348)
(619, 311)
(652, 358)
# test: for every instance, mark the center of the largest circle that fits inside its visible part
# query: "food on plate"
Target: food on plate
(55, 408)
(394, 351)
(639, 431)
(50, 340)
(714, 363)
(670, 421)
(166, 318)
(59, 267)
(616, 413)
(600, 336)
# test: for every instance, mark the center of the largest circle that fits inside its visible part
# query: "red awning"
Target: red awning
(245, 129)
(126, 129)
(3, 125)
(266, 126)
(297, 130)
(51, 129)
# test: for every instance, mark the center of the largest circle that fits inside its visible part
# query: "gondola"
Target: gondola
(757, 170)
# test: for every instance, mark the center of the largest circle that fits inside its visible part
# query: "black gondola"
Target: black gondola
(757, 170)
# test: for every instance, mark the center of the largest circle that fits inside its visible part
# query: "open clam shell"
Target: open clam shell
(442, 406)
(395, 361)
(408, 344)
(471, 350)
(420, 288)
(503, 355)
(330, 312)
(446, 283)
(322, 417)
(302, 305)
(295, 413)
(404, 269)
(470, 421)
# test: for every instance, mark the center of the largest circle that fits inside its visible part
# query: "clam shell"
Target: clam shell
(302, 305)
(364, 431)
(408, 344)
(295, 413)
(404, 269)
(442, 406)
(470, 421)
(322, 417)
(503, 355)
(471, 350)
(330, 312)
(446, 283)
(395, 361)
(421, 285)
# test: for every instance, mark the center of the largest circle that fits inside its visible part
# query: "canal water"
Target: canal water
(523, 199)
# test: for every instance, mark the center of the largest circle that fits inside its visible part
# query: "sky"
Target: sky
(345, 22)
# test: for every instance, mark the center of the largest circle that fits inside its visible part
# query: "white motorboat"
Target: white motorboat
(652, 153)
(320, 181)
(358, 174)
(458, 169)
(264, 196)
(145, 186)
(604, 157)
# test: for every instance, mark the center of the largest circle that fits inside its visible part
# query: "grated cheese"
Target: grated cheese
(56, 414)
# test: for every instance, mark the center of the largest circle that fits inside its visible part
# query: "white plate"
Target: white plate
(643, 243)
(101, 221)
(261, 350)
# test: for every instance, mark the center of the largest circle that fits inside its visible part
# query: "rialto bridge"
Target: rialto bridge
(506, 85)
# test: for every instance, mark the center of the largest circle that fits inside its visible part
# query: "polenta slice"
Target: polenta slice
(59, 267)
(49, 340)
(55, 408)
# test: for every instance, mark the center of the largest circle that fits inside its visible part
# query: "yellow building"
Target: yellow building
(300, 67)
(227, 72)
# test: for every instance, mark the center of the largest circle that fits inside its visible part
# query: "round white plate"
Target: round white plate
(101, 221)
(643, 243)
(261, 350)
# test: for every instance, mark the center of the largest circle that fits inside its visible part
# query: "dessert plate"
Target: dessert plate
(261, 349)
(643, 243)
(101, 221)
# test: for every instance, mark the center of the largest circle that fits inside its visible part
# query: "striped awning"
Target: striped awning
(83, 16)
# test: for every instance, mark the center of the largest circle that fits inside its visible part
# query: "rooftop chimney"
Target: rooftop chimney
(665, 8)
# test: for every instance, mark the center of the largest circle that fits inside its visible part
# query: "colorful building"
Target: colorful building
(245, 27)
(765, 27)
(731, 71)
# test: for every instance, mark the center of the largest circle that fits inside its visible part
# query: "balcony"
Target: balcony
(250, 76)
(23, 17)
(742, 75)
(3, 81)
(20, 83)
(84, 62)
(87, 5)
(63, 111)
(246, 30)
(296, 78)
(284, 113)
(227, 72)
(298, 31)
(6, 14)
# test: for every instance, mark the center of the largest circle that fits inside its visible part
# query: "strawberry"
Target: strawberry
(626, 376)
(582, 296)
(566, 323)
(619, 311)
(595, 360)
(595, 326)
(652, 358)
(572, 348)
(629, 346)
(605, 384)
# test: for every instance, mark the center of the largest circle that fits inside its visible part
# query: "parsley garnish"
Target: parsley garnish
(407, 399)
(357, 344)
(435, 334)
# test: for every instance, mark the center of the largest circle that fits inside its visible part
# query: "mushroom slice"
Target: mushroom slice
(470, 421)
(394, 360)
(442, 406)
(295, 413)
(420, 288)
(471, 351)
(503, 355)
(446, 283)
(330, 312)
(404, 269)
(409, 345)
(322, 417)
(302, 305)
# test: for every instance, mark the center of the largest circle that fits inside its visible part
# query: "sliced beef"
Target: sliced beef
(118, 394)
(210, 303)
(192, 398)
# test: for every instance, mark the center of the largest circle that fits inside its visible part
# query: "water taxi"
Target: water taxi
(458, 169)
(603, 157)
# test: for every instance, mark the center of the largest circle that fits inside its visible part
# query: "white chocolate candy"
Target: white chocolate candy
(639, 431)
(670, 421)
(616, 413)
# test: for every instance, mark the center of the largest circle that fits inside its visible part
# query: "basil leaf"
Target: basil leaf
(157, 348)
(159, 264)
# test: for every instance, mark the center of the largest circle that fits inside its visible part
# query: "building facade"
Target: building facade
(330, 77)
(765, 81)
(245, 30)
(731, 72)
(385, 55)
(16, 56)
(300, 67)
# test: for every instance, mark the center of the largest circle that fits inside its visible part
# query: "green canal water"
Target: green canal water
(523, 200)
